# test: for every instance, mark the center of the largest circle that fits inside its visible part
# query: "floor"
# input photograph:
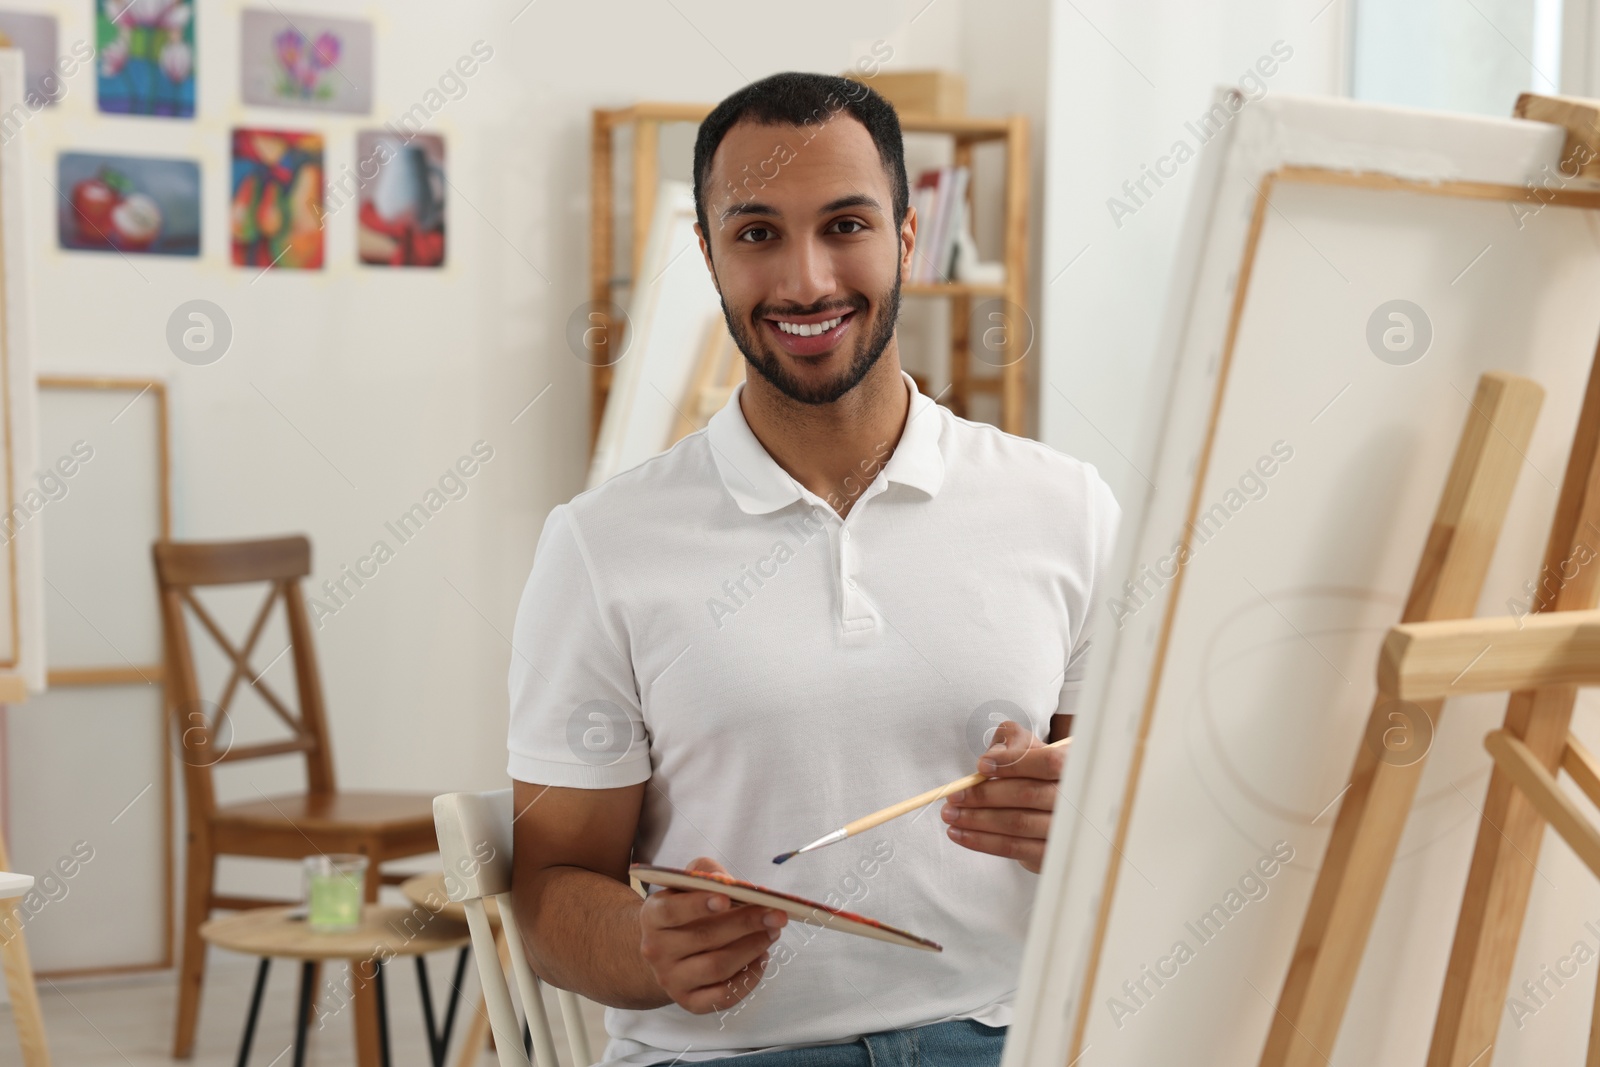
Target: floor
(127, 1021)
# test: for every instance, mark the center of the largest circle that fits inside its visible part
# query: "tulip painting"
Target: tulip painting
(299, 60)
(146, 57)
(305, 67)
(277, 209)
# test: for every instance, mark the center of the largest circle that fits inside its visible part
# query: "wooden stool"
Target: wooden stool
(428, 891)
(386, 931)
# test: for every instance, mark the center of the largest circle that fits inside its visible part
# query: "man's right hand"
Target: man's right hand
(706, 950)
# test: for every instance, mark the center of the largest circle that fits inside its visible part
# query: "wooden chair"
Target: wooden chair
(475, 846)
(382, 826)
(1422, 661)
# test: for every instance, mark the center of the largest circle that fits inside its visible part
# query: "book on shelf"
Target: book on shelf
(939, 197)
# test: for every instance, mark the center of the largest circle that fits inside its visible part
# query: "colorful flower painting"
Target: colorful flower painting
(297, 60)
(128, 204)
(146, 50)
(402, 199)
(277, 208)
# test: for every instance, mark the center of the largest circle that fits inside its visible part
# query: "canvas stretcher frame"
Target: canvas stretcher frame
(1079, 883)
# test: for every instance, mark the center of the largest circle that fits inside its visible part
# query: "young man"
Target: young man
(831, 599)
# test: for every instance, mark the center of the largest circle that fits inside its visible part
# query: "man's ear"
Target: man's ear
(908, 241)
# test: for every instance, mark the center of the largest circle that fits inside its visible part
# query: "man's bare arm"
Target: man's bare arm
(586, 930)
(578, 915)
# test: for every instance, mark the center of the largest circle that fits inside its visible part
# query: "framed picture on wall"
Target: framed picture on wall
(307, 61)
(147, 59)
(128, 204)
(277, 206)
(403, 202)
(35, 36)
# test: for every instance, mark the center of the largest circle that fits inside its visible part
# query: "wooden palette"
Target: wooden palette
(798, 908)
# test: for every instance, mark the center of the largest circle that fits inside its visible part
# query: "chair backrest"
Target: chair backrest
(204, 735)
(474, 831)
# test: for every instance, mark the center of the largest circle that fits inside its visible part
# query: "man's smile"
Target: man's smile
(810, 335)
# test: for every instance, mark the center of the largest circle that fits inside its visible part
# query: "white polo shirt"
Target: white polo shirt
(707, 624)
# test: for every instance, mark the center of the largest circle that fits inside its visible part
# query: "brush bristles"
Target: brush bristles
(786, 855)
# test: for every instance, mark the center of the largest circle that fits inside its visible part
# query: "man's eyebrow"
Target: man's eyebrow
(751, 207)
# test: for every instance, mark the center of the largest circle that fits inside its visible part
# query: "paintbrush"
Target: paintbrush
(878, 818)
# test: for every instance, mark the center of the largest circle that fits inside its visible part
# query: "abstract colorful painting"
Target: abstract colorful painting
(35, 35)
(146, 50)
(402, 196)
(128, 204)
(277, 208)
(305, 61)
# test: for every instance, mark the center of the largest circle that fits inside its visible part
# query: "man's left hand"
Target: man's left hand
(1009, 815)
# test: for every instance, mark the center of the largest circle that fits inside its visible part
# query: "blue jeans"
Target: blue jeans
(952, 1043)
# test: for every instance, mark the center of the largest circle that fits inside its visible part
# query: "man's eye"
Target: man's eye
(754, 229)
(852, 222)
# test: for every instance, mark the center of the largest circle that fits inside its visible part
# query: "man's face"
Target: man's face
(802, 232)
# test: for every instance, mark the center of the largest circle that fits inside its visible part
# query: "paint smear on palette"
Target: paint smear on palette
(277, 209)
(803, 906)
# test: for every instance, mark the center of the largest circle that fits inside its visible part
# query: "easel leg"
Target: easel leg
(1498, 885)
(1366, 836)
(19, 981)
(1593, 1058)
(1501, 876)
(1373, 811)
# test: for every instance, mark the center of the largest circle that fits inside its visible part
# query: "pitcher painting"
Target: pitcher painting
(403, 202)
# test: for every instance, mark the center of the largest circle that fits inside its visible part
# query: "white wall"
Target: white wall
(347, 392)
(1125, 75)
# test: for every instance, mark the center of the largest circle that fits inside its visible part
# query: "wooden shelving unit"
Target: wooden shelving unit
(645, 120)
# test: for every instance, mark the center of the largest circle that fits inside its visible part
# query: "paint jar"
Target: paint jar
(333, 891)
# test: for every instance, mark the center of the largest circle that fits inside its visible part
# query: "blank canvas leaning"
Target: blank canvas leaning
(1306, 436)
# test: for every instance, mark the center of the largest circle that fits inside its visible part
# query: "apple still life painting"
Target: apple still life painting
(129, 204)
(402, 206)
(146, 50)
(277, 208)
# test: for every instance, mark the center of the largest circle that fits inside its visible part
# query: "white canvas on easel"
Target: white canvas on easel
(21, 576)
(1256, 679)
(673, 305)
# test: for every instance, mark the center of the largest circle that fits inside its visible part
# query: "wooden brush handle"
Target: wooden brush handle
(878, 818)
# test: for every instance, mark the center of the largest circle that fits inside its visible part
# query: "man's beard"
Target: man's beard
(760, 355)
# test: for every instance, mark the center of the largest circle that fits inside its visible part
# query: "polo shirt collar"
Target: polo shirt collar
(758, 485)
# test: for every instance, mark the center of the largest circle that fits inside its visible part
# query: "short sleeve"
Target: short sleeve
(1101, 521)
(576, 720)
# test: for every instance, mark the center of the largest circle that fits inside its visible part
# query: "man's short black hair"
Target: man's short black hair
(797, 98)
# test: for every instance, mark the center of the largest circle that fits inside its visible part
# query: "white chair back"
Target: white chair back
(475, 843)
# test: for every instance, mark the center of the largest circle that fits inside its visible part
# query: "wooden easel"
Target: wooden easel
(19, 983)
(1501, 875)
(1366, 833)
(719, 368)
(1555, 650)
(1372, 815)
